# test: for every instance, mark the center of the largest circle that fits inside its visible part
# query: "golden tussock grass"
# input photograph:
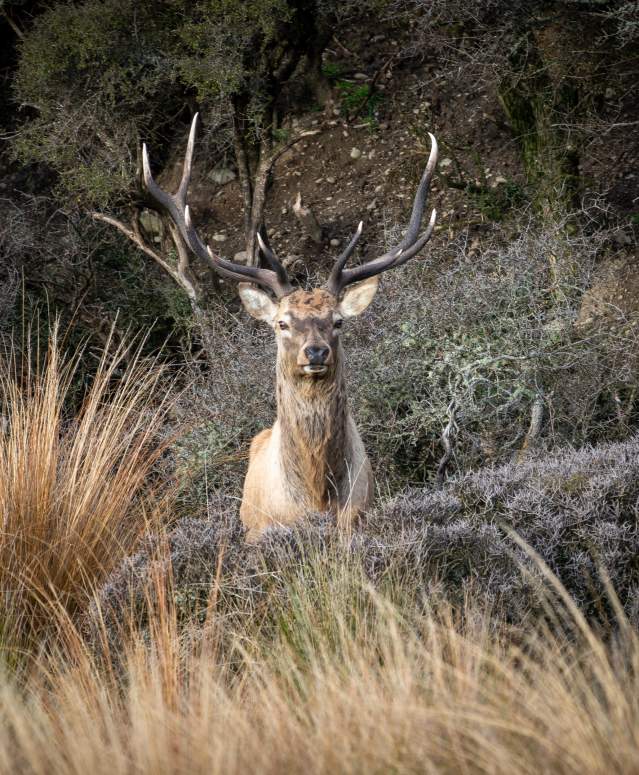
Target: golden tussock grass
(336, 678)
(74, 494)
(372, 691)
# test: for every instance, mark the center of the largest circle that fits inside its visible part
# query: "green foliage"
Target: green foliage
(497, 203)
(358, 99)
(281, 134)
(229, 43)
(102, 75)
(95, 91)
(331, 70)
(99, 75)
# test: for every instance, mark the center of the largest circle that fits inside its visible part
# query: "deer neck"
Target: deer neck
(314, 444)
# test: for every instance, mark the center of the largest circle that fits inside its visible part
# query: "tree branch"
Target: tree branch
(182, 275)
(534, 429)
(275, 155)
(448, 440)
(13, 25)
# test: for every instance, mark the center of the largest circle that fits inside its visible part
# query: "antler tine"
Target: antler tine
(343, 258)
(232, 271)
(419, 205)
(406, 249)
(274, 279)
(269, 255)
(402, 256)
(188, 160)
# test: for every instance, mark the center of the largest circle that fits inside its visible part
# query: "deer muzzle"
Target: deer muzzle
(317, 359)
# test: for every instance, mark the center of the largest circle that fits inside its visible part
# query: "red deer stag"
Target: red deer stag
(313, 458)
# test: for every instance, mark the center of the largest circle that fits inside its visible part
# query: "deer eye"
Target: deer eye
(338, 323)
(283, 325)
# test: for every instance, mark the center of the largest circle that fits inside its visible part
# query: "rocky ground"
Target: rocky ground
(366, 157)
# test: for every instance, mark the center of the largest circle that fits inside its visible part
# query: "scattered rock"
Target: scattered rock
(330, 179)
(222, 175)
(360, 77)
(151, 222)
(445, 162)
(219, 237)
(240, 257)
(355, 153)
(293, 262)
(334, 243)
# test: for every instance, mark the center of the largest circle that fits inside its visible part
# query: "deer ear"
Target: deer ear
(358, 296)
(257, 303)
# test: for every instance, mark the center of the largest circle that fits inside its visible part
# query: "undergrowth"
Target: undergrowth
(310, 651)
(74, 488)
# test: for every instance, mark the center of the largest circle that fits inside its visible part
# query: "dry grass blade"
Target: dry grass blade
(428, 692)
(72, 501)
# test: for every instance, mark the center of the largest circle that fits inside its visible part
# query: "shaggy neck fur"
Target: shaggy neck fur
(313, 419)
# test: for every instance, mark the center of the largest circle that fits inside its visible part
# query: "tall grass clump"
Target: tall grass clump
(73, 466)
(341, 680)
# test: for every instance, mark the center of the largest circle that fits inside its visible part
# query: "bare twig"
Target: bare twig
(344, 49)
(275, 155)
(182, 274)
(534, 429)
(448, 441)
(13, 25)
(255, 190)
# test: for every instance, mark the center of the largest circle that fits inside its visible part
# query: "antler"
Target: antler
(274, 279)
(400, 254)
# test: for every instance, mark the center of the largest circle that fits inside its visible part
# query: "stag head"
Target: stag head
(307, 324)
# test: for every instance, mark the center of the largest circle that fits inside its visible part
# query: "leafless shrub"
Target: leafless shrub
(43, 243)
(15, 242)
(224, 407)
(492, 329)
(577, 510)
(624, 16)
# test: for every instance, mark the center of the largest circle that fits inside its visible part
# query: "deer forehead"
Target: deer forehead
(301, 305)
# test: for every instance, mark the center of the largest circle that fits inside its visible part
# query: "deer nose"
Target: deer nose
(316, 355)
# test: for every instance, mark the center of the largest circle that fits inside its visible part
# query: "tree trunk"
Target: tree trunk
(254, 163)
(537, 100)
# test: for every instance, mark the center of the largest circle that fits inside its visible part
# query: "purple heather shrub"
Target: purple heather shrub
(577, 509)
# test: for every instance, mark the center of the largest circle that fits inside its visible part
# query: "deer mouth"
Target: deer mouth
(315, 369)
